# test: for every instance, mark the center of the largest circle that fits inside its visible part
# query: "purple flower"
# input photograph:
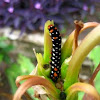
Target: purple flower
(37, 5)
(85, 7)
(31, 15)
(11, 9)
(7, 1)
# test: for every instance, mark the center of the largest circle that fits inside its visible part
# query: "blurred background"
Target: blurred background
(21, 30)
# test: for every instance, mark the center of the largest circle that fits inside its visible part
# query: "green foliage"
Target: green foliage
(5, 48)
(3, 38)
(12, 72)
(23, 66)
(95, 56)
(64, 68)
(80, 95)
(26, 65)
(1, 58)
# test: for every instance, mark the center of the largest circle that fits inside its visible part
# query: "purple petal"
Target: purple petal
(7, 1)
(37, 5)
(11, 9)
(85, 7)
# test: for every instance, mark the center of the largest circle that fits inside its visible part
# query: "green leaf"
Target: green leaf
(97, 82)
(12, 73)
(1, 57)
(2, 38)
(78, 57)
(47, 42)
(9, 48)
(83, 87)
(67, 47)
(80, 95)
(23, 67)
(95, 55)
(41, 70)
(64, 68)
(6, 59)
(6, 47)
(3, 44)
(25, 64)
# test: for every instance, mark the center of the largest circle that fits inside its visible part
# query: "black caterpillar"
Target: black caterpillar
(62, 95)
(56, 52)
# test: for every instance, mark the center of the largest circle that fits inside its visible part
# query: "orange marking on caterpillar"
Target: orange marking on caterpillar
(55, 28)
(55, 74)
(55, 69)
(49, 26)
(51, 30)
(55, 38)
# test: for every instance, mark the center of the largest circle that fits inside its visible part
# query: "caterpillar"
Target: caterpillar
(62, 95)
(55, 53)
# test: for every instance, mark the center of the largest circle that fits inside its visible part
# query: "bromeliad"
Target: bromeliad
(56, 74)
